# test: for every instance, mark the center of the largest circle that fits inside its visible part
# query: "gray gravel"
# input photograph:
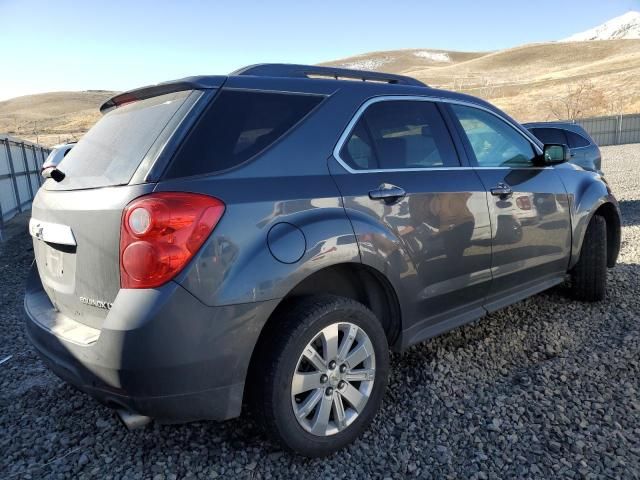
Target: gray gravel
(545, 388)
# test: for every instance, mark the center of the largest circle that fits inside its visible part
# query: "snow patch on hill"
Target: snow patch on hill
(623, 27)
(433, 56)
(367, 63)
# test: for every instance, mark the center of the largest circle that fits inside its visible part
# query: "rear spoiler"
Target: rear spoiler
(189, 83)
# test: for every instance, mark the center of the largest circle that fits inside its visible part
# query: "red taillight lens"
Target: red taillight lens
(161, 232)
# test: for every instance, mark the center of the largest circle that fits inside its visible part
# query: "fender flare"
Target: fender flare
(606, 205)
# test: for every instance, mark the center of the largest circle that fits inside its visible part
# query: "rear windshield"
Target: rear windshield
(112, 150)
(237, 126)
(550, 135)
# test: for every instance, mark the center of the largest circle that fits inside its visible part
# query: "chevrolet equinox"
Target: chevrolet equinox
(267, 237)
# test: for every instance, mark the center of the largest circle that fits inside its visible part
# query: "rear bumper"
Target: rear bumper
(160, 352)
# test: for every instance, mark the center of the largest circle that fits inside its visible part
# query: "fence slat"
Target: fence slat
(27, 171)
(14, 172)
(613, 130)
(2, 214)
(34, 154)
(13, 176)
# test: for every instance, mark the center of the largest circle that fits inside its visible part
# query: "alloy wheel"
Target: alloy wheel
(333, 379)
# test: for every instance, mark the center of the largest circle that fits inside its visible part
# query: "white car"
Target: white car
(55, 157)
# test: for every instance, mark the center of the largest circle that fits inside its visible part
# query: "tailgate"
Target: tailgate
(76, 221)
(76, 241)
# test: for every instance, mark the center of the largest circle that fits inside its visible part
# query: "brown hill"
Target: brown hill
(51, 118)
(530, 82)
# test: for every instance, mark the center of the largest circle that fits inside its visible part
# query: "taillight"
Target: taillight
(161, 232)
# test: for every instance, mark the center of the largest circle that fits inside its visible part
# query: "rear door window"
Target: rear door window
(400, 134)
(238, 125)
(112, 150)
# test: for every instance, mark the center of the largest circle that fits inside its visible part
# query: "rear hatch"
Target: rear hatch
(76, 222)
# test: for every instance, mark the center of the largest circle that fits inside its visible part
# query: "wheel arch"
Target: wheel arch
(356, 281)
(609, 210)
(352, 280)
(611, 215)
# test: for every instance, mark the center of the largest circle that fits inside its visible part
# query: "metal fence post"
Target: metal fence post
(620, 120)
(43, 155)
(37, 168)
(13, 176)
(2, 214)
(26, 170)
(1, 224)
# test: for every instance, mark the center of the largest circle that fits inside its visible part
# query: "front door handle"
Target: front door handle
(502, 190)
(387, 192)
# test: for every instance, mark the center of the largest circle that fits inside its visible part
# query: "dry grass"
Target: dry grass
(522, 80)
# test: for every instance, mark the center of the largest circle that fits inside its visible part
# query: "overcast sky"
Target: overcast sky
(117, 45)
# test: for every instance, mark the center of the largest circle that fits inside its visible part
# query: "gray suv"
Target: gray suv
(267, 237)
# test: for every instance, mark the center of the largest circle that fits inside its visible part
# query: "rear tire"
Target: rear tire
(589, 276)
(281, 395)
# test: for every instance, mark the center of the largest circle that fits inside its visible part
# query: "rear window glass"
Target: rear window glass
(550, 135)
(576, 141)
(237, 126)
(112, 150)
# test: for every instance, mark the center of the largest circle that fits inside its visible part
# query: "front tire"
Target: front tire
(589, 276)
(321, 374)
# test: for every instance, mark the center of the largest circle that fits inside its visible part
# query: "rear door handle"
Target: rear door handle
(387, 192)
(502, 190)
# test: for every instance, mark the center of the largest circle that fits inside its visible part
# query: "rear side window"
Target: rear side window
(399, 134)
(237, 126)
(576, 141)
(112, 150)
(550, 135)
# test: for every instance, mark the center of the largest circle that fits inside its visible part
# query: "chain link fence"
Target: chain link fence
(613, 130)
(20, 179)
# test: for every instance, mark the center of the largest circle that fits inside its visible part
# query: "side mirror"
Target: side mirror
(556, 153)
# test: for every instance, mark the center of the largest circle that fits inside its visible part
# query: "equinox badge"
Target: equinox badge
(96, 303)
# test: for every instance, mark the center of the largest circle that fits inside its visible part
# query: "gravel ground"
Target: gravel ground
(545, 388)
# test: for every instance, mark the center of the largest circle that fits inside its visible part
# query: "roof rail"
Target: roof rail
(310, 71)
